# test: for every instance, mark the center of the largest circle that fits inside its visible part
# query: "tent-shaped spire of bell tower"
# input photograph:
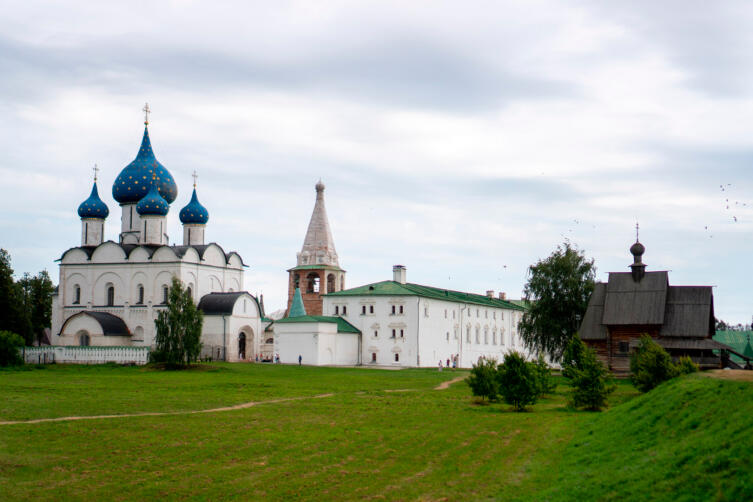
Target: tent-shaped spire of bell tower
(317, 271)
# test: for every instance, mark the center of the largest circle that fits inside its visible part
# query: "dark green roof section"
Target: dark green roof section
(317, 267)
(343, 326)
(392, 288)
(521, 303)
(738, 340)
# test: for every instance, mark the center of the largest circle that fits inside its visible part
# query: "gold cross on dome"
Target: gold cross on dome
(146, 111)
(96, 170)
(194, 176)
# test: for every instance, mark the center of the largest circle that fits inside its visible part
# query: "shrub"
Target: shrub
(588, 377)
(650, 365)
(685, 366)
(10, 347)
(178, 338)
(518, 382)
(483, 379)
(547, 385)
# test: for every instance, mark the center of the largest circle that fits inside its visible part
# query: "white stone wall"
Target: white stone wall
(318, 344)
(426, 329)
(110, 266)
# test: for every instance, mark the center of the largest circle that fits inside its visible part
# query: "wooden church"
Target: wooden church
(631, 304)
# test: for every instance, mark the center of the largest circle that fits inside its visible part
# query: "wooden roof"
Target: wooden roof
(629, 302)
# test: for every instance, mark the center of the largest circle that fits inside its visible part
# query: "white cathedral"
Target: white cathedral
(109, 293)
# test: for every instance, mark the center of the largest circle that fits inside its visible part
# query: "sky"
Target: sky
(464, 140)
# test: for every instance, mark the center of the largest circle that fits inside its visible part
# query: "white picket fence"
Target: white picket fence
(86, 355)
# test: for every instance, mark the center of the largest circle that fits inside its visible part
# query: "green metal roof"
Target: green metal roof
(317, 267)
(738, 340)
(343, 326)
(393, 288)
(296, 307)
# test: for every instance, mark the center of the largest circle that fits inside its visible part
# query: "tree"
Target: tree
(518, 382)
(178, 338)
(588, 377)
(37, 300)
(544, 378)
(10, 349)
(650, 365)
(483, 379)
(13, 315)
(558, 290)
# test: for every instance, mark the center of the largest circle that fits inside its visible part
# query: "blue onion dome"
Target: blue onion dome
(133, 181)
(153, 203)
(194, 212)
(93, 207)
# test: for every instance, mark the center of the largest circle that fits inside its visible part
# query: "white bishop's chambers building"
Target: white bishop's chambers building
(109, 293)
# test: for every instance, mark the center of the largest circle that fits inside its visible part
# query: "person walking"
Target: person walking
(299, 359)
(440, 365)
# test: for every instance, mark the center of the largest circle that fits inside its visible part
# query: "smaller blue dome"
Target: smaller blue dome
(153, 203)
(93, 207)
(194, 212)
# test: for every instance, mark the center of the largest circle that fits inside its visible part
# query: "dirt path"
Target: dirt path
(738, 375)
(446, 385)
(442, 386)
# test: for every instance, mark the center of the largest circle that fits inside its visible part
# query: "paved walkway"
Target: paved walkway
(442, 386)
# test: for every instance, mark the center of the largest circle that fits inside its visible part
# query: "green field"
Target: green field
(370, 434)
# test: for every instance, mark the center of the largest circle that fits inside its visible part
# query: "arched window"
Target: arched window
(141, 295)
(486, 337)
(330, 283)
(397, 358)
(296, 281)
(478, 334)
(312, 283)
(165, 294)
(84, 340)
(190, 293)
(110, 296)
(468, 334)
(76, 294)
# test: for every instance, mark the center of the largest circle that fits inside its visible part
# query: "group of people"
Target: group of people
(452, 360)
(265, 359)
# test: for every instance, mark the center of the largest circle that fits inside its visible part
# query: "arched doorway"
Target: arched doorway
(84, 340)
(242, 346)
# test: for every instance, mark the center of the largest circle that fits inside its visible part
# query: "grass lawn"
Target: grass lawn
(680, 442)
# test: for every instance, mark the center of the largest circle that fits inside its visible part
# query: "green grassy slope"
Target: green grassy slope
(689, 439)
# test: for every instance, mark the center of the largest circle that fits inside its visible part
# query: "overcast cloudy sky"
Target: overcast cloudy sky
(465, 140)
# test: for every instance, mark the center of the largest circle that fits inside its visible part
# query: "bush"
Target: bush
(483, 379)
(544, 378)
(588, 377)
(10, 349)
(650, 365)
(518, 382)
(685, 366)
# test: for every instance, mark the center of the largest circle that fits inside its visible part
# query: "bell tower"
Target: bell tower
(317, 271)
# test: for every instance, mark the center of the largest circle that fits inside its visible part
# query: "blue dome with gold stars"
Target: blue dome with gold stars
(194, 212)
(93, 207)
(153, 203)
(135, 179)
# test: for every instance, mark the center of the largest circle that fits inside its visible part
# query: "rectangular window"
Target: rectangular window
(393, 310)
(337, 310)
(401, 309)
(371, 309)
(624, 347)
(397, 358)
(376, 334)
(393, 333)
(363, 309)
(345, 309)
(448, 336)
(401, 333)
(445, 313)
(453, 314)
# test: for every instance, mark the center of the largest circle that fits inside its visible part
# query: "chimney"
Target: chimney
(502, 295)
(398, 274)
(490, 293)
